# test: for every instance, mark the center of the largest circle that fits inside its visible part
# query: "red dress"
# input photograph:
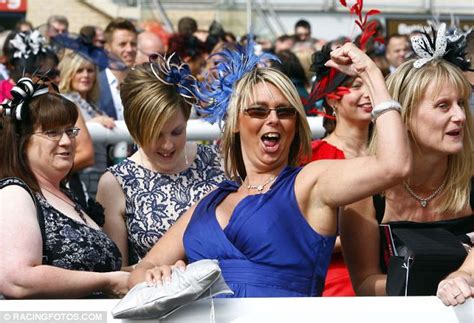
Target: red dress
(338, 281)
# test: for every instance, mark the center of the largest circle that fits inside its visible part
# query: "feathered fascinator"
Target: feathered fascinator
(83, 46)
(22, 93)
(440, 45)
(329, 80)
(231, 65)
(26, 44)
(172, 71)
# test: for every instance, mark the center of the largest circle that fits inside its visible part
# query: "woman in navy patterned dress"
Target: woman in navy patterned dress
(146, 193)
(50, 247)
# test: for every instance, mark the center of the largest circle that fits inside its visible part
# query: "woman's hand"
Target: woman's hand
(350, 60)
(162, 274)
(456, 288)
(106, 121)
(117, 285)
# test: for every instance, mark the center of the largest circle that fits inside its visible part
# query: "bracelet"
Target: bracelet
(385, 106)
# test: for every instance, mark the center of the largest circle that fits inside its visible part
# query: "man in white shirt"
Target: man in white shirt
(121, 40)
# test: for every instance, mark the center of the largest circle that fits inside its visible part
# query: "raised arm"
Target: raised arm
(112, 199)
(333, 183)
(167, 251)
(21, 269)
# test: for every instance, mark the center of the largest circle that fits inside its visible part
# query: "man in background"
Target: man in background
(121, 40)
(148, 43)
(397, 50)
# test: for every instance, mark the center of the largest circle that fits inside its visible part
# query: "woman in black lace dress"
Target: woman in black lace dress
(50, 246)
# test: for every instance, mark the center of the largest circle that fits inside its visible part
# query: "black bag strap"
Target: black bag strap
(379, 205)
(39, 212)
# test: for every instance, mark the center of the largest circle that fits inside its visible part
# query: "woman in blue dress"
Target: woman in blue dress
(273, 228)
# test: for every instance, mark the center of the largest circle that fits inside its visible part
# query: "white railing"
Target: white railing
(316, 309)
(196, 130)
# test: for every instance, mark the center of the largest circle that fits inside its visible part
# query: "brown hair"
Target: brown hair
(149, 104)
(48, 111)
(118, 24)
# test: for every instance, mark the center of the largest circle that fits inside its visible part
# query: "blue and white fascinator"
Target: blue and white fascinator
(172, 71)
(231, 65)
(440, 44)
(26, 44)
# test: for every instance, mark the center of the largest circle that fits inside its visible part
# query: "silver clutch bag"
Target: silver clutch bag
(199, 280)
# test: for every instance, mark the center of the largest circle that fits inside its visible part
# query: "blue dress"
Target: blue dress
(267, 249)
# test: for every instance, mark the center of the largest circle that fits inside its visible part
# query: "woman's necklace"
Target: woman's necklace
(77, 207)
(424, 201)
(260, 187)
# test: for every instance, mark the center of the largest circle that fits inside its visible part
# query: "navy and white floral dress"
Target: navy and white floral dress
(73, 245)
(154, 201)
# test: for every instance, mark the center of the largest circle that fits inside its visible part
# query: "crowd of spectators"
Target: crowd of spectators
(121, 72)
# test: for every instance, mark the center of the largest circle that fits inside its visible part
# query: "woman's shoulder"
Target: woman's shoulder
(321, 149)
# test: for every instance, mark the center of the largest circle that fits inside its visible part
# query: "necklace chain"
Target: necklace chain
(424, 201)
(261, 187)
(75, 205)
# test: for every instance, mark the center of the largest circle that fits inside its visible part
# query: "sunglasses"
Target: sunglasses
(263, 112)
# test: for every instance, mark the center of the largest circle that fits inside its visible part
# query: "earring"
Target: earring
(333, 111)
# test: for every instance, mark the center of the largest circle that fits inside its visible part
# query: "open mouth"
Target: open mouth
(166, 156)
(367, 107)
(454, 133)
(271, 141)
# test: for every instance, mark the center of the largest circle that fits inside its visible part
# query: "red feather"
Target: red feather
(343, 2)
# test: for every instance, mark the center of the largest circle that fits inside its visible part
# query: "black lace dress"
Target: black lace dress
(71, 244)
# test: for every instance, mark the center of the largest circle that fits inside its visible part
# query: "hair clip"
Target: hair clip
(440, 45)
(174, 73)
(27, 43)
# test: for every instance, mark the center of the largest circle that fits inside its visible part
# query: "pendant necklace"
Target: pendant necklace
(424, 201)
(77, 207)
(261, 187)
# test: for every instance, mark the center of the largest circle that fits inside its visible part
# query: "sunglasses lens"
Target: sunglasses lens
(286, 113)
(259, 113)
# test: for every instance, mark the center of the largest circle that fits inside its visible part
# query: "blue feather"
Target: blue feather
(231, 66)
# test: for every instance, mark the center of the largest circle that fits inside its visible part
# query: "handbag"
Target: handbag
(421, 258)
(200, 279)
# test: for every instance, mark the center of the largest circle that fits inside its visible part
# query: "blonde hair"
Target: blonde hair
(408, 86)
(149, 104)
(69, 65)
(243, 93)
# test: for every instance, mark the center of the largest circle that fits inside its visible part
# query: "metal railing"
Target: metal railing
(196, 130)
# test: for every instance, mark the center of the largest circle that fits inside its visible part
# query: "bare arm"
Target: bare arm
(112, 198)
(23, 275)
(84, 146)
(167, 251)
(361, 246)
(459, 285)
(333, 183)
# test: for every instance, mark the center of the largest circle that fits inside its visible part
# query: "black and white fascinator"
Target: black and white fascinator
(26, 44)
(439, 44)
(22, 93)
